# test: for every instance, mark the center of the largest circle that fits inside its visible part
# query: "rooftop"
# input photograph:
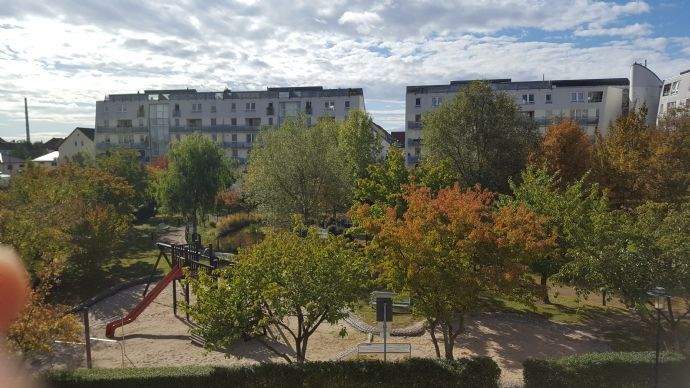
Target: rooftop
(227, 94)
(49, 157)
(508, 84)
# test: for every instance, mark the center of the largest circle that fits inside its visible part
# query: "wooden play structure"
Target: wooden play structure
(193, 257)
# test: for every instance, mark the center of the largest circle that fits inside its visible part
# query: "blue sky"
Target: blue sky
(65, 54)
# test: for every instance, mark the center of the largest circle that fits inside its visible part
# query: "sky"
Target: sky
(63, 55)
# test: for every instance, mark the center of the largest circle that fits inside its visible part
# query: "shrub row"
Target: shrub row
(475, 372)
(234, 222)
(616, 369)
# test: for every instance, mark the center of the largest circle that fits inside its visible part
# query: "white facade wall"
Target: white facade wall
(232, 119)
(675, 93)
(591, 113)
(77, 142)
(645, 89)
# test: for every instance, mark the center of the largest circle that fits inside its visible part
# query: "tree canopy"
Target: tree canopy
(287, 283)
(483, 135)
(566, 150)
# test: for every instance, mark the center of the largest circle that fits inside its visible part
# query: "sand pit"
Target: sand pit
(158, 338)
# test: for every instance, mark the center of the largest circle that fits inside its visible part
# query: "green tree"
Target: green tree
(435, 174)
(125, 164)
(358, 143)
(385, 182)
(299, 169)
(287, 283)
(568, 211)
(451, 250)
(483, 135)
(196, 172)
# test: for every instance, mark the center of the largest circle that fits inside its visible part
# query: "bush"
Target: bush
(235, 222)
(616, 369)
(476, 372)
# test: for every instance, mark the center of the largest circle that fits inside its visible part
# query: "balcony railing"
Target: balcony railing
(217, 128)
(414, 125)
(557, 119)
(414, 142)
(412, 159)
(133, 146)
(122, 129)
(237, 144)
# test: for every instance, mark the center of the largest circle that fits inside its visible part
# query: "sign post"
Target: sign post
(384, 314)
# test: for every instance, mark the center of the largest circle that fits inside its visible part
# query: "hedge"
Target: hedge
(415, 372)
(615, 369)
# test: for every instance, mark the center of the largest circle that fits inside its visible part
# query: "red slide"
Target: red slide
(176, 273)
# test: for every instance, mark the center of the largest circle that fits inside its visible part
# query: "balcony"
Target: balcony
(217, 128)
(414, 125)
(176, 113)
(412, 159)
(544, 121)
(132, 146)
(414, 142)
(100, 129)
(237, 144)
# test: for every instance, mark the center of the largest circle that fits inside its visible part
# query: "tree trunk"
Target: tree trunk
(447, 340)
(434, 340)
(544, 288)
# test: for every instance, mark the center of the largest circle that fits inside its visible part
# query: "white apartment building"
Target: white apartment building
(594, 103)
(150, 121)
(675, 93)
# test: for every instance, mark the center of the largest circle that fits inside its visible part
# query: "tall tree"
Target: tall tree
(298, 169)
(566, 150)
(450, 250)
(125, 164)
(197, 170)
(287, 283)
(638, 163)
(482, 133)
(384, 183)
(568, 213)
(358, 143)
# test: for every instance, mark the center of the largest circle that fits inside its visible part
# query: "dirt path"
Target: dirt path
(158, 338)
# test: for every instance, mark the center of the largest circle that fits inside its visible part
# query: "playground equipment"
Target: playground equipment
(191, 256)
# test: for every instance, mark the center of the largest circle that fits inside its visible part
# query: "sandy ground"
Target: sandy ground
(158, 338)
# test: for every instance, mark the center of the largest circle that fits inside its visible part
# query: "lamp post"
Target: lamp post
(659, 297)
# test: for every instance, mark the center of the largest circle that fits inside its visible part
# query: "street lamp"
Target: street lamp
(659, 298)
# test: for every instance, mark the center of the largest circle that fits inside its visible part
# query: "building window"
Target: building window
(307, 107)
(82, 143)
(667, 89)
(213, 109)
(435, 101)
(196, 107)
(141, 122)
(177, 122)
(213, 121)
(549, 99)
(270, 121)
(214, 137)
(233, 121)
(234, 152)
(124, 123)
(347, 105)
(577, 97)
(122, 108)
(233, 107)
(417, 102)
(687, 103)
(329, 105)
(670, 105)
(141, 138)
(234, 137)
(249, 138)
(418, 118)
(250, 106)
(528, 98)
(674, 87)
(597, 96)
(75, 143)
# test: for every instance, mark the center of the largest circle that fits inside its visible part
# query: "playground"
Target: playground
(158, 338)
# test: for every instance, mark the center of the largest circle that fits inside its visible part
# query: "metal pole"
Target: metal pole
(186, 300)
(174, 297)
(87, 338)
(385, 331)
(658, 335)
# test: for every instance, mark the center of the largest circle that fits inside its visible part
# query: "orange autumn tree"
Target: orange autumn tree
(451, 251)
(566, 150)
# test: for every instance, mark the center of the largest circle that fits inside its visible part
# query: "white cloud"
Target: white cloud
(630, 31)
(365, 22)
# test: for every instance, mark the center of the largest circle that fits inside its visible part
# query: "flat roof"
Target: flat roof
(270, 92)
(508, 84)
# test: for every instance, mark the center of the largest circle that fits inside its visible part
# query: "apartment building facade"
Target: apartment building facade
(675, 93)
(151, 121)
(593, 103)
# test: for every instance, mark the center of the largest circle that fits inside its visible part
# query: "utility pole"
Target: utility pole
(26, 118)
